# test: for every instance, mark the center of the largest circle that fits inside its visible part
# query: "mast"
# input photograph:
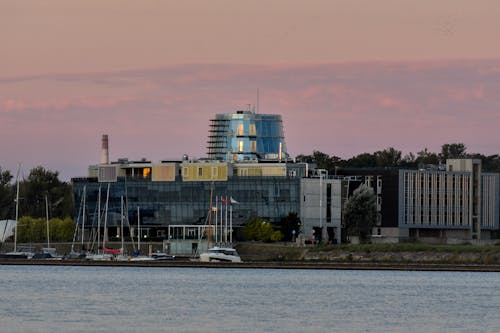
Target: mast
(138, 230)
(47, 217)
(98, 219)
(83, 212)
(209, 234)
(121, 229)
(105, 234)
(17, 207)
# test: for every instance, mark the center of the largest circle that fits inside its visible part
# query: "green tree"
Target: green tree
(360, 212)
(61, 230)
(31, 229)
(322, 161)
(258, 229)
(6, 195)
(364, 160)
(452, 150)
(426, 157)
(41, 183)
(389, 157)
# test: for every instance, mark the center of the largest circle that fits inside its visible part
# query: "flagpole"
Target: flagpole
(216, 215)
(231, 223)
(225, 233)
(221, 222)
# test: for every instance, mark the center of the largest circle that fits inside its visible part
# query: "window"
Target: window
(240, 146)
(240, 129)
(200, 171)
(253, 146)
(252, 130)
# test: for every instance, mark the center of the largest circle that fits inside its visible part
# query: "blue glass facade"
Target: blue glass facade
(176, 202)
(246, 135)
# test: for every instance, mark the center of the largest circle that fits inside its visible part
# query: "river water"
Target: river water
(138, 299)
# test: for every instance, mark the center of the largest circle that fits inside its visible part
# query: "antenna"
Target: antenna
(257, 100)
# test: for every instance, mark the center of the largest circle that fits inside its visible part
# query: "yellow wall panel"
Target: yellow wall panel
(205, 172)
(163, 173)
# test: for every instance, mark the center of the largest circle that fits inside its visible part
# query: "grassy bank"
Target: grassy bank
(383, 253)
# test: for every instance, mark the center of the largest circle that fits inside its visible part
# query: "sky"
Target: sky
(347, 76)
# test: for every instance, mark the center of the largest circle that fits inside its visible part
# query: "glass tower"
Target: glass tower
(246, 136)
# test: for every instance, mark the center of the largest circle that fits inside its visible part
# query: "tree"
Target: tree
(389, 157)
(259, 230)
(364, 160)
(41, 183)
(6, 195)
(61, 230)
(426, 157)
(452, 150)
(360, 212)
(289, 224)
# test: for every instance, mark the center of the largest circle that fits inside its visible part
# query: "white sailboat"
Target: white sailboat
(18, 253)
(100, 255)
(74, 254)
(122, 256)
(48, 253)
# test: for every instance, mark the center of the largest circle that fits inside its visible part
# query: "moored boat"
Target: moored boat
(220, 254)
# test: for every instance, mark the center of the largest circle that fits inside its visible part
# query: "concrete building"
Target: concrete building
(321, 208)
(458, 204)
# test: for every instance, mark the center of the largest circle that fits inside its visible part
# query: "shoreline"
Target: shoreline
(265, 265)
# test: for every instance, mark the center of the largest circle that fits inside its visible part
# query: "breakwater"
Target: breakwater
(266, 265)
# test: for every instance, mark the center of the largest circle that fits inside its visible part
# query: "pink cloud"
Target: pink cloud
(341, 109)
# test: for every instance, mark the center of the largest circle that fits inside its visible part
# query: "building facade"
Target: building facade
(179, 193)
(460, 203)
(321, 209)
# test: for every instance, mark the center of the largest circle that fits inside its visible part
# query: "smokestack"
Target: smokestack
(105, 150)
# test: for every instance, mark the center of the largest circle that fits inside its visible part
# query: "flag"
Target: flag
(233, 201)
(226, 201)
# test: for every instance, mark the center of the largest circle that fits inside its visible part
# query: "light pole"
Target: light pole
(321, 173)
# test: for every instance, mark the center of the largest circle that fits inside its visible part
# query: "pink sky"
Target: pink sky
(347, 76)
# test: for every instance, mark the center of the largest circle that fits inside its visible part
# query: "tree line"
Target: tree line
(41, 193)
(393, 158)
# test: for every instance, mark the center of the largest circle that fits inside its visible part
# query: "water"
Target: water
(129, 299)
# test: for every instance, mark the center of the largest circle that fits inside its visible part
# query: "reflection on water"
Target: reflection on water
(130, 299)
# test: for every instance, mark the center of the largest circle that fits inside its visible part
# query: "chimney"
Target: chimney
(104, 150)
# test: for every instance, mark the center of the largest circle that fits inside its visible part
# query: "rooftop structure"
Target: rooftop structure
(246, 136)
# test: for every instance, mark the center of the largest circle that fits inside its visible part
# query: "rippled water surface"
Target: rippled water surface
(126, 299)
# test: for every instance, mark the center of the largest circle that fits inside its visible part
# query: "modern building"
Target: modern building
(248, 173)
(457, 204)
(321, 208)
(384, 182)
(246, 136)
(247, 165)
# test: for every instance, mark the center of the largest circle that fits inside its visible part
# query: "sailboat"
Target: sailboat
(18, 253)
(100, 256)
(153, 256)
(74, 254)
(121, 256)
(48, 253)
